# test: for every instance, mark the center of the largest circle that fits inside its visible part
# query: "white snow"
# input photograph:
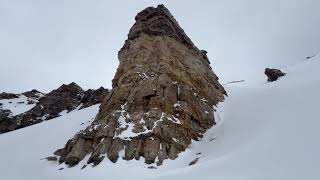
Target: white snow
(173, 119)
(176, 105)
(144, 76)
(64, 112)
(264, 131)
(128, 127)
(17, 105)
(204, 100)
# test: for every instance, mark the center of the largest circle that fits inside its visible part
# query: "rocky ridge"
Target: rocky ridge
(46, 106)
(163, 96)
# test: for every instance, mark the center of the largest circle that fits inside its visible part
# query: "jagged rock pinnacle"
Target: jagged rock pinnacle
(162, 98)
(158, 21)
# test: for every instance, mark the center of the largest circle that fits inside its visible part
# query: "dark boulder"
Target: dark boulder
(273, 74)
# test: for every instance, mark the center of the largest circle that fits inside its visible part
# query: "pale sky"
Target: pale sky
(45, 43)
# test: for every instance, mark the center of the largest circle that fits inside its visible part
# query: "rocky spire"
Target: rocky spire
(158, 22)
(163, 96)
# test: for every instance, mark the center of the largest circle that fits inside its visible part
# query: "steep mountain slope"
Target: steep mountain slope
(19, 103)
(264, 131)
(32, 107)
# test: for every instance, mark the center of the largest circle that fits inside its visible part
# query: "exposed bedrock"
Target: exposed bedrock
(66, 98)
(163, 96)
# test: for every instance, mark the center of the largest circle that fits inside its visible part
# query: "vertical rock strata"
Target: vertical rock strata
(163, 96)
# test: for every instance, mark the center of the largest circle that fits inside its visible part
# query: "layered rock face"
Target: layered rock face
(48, 106)
(163, 96)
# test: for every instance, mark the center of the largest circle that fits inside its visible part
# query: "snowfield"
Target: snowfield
(265, 131)
(16, 105)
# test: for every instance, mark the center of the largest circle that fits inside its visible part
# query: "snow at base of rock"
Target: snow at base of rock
(273, 136)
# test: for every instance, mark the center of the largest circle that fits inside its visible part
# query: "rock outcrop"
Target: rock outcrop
(5, 120)
(8, 120)
(163, 96)
(92, 97)
(48, 106)
(5, 95)
(273, 74)
(33, 96)
(65, 98)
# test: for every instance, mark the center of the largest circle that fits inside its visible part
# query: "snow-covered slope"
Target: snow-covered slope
(21, 102)
(17, 105)
(265, 131)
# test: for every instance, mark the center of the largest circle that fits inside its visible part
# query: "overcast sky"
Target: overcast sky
(44, 43)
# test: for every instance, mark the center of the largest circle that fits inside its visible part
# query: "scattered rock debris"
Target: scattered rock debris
(194, 161)
(152, 167)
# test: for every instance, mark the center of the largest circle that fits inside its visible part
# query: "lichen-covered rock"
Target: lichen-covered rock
(163, 96)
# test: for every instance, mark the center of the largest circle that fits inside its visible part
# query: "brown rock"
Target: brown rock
(78, 151)
(162, 98)
(100, 149)
(92, 97)
(273, 74)
(115, 148)
(131, 149)
(151, 149)
(49, 106)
